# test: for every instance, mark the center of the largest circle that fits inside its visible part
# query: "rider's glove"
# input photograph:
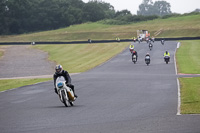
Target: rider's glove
(68, 84)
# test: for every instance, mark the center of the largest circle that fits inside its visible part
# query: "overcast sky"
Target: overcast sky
(177, 6)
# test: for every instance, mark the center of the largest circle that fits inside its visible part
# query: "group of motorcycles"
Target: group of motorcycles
(147, 57)
(66, 94)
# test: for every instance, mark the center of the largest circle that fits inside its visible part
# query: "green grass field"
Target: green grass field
(190, 95)
(188, 57)
(189, 62)
(15, 83)
(1, 54)
(79, 58)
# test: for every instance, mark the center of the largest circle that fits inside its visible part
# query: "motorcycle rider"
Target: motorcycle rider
(150, 44)
(135, 53)
(147, 55)
(162, 41)
(60, 72)
(152, 38)
(167, 54)
(134, 39)
(131, 48)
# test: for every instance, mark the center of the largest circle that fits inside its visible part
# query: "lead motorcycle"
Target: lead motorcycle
(65, 93)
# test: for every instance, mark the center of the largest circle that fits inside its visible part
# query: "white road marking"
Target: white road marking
(178, 84)
(179, 99)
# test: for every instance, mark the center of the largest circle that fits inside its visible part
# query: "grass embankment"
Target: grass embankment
(188, 57)
(79, 58)
(74, 58)
(182, 26)
(1, 54)
(189, 62)
(15, 83)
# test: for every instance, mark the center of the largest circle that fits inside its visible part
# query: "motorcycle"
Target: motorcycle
(166, 58)
(65, 93)
(153, 40)
(162, 42)
(147, 60)
(150, 46)
(134, 59)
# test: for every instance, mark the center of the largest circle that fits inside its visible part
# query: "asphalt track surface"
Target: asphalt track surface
(115, 97)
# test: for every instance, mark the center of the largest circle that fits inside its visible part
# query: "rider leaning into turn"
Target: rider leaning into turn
(60, 72)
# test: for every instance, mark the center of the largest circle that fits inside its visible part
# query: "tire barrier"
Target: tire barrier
(94, 41)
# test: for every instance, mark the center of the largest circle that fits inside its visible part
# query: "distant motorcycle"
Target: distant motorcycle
(162, 42)
(65, 93)
(153, 40)
(147, 60)
(150, 46)
(166, 58)
(134, 59)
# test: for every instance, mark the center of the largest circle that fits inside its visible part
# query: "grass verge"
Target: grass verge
(188, 57)
(15, 83)
(1, 54)
(190, 95)
(188, 62)
(77, 58)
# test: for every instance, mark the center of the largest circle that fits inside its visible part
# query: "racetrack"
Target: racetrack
(115, 97)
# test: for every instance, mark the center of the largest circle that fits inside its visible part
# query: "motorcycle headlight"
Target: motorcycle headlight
(60, 85)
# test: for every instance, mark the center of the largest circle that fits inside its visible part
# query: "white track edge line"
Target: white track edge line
(178, 84)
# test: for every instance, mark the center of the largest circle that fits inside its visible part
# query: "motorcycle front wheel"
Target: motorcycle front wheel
(65, 100)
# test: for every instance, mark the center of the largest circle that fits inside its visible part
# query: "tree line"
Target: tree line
(23, 16)
(20, 16)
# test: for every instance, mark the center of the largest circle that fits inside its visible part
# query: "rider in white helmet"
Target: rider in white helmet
(60, 72)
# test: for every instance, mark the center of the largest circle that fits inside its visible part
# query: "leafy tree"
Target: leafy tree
(160, 8)
(3, 9)
(122, 13)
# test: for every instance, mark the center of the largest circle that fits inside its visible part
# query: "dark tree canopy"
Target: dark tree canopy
(21, 16)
